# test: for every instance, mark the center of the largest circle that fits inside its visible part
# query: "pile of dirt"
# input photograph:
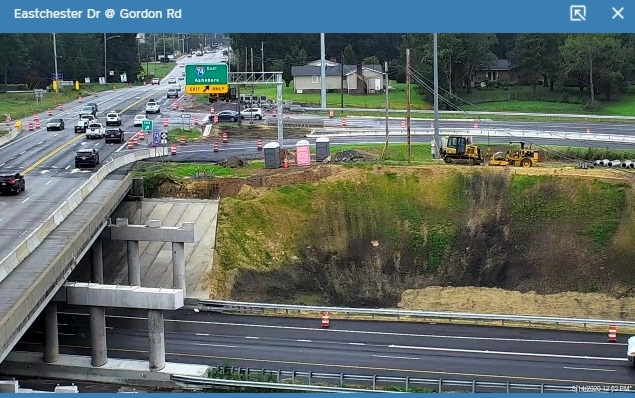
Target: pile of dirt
(350, 155)
(234, 162)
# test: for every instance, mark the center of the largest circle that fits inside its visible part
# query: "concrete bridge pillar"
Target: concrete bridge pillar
(156, 334)
(178, 266)
(51, 336)
(99, 350)
(134, 262)
(97, 262)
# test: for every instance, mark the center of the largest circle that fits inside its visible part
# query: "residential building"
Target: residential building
(499, 70)
(353, 79)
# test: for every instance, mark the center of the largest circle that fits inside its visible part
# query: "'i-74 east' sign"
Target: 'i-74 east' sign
(206, 79)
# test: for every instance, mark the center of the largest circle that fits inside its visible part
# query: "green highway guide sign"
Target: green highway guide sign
(205, 75)
(146, 125)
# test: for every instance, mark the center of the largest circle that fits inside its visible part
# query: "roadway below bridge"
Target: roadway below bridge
(357, 347)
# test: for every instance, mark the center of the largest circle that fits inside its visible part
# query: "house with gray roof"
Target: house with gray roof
(353, 79)
(498, 70)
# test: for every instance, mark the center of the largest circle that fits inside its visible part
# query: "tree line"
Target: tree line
(599, 64)
(29, 58)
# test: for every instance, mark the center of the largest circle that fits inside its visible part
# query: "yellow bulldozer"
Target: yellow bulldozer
(461, 150)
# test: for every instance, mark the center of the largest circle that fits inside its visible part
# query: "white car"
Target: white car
(156, 81)
(113, 119)
(153, 107)
(138, 120)
(181, 78)
(255, 113)
(95, 130)
(171, 80)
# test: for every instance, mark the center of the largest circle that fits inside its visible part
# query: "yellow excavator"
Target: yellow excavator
(461, 150)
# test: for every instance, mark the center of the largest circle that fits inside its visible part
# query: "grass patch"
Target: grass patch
(159, 70)
(20, 105)
(397, 153)
(193, 134)
(185, 170)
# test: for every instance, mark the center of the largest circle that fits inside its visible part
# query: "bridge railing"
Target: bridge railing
(331, 382)
(289, 309)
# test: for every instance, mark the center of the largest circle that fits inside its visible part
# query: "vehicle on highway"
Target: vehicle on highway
(55, 124)
(181, 78)
(189, 55)
(113, 119)
(181, 65)
(173, 93)
(171, 80)
(95, 130)
(153, 107)
(93, 104)
(138, 120)
(249, 113)
(177, 87)
(114, 136)
(83, 122)
(88, 110)
(227, 116)
(199, 53)
(86, 157)
(12, 183)
(156, 81)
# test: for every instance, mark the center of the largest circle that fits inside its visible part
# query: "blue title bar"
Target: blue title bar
(327, 16)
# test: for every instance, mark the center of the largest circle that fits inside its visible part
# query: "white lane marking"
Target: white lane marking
(45, 171)
(445, 337)
(22, 234)
(55, 135)
(39, 143)
(22, 153)
(202, 334)
(67, 167)
(593, 369)
(66, 334)
(216, 345)
(523, 354)
(303, 341)
(48, 182)
(391, 357)
(356, 343)
(25, 200)
(2, 164)
(252, 337)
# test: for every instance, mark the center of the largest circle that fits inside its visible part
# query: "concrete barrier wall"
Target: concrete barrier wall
(5, 139)
(57, 270)
(35, 238)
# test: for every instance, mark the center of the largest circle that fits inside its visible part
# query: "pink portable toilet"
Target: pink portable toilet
(303, 153)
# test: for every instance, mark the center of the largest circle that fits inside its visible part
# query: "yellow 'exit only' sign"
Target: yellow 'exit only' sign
(207, 89)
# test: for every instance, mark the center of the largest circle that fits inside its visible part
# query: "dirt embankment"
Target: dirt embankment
(389, 236)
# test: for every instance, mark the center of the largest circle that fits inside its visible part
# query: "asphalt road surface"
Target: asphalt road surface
(359, 347)
(47, 157)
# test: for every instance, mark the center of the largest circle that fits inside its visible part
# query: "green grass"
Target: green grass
(174, 135)
(397, 153)
(20, 105)
(158, 70)
(185, 170)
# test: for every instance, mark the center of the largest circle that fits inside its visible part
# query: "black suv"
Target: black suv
(94, 105)
(114, 136)
(12, 183)
(88, 157)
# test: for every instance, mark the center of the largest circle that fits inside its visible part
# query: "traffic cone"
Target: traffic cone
(612, 334)
(142, 135)
(259, 145)
(216, 146)
(166, 122)
(343, 122)
(173, 149)
(182, 140)
(130, 144)
(50, 112)
(225, 138)
(285, 163)
(326, 317)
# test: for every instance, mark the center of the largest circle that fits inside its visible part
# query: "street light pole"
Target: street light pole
(57, 85)
(105, 60)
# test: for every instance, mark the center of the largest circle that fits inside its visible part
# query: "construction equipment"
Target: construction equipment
(460, 149)
(523, 157)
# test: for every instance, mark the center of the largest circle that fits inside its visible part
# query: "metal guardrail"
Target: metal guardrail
(477, 113)
(242, 307)
(337, 382)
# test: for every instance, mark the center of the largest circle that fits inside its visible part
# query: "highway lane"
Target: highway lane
(387, 348)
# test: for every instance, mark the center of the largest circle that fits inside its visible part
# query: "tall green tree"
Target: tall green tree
(530, 56)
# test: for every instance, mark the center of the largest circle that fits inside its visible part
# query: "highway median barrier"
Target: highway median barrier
(10, 136)
(36, 237)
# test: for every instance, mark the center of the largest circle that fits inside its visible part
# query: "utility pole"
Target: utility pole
(154, 36)
(163, 38)
(386, 92)
(262, 58)
(246, 60)
(322, 72)
(408, 106)
(105, 60)
(437, 141)
(342, 83)
(252, 69)
(57, 84)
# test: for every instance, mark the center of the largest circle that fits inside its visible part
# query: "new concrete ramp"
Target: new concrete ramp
(156, 257)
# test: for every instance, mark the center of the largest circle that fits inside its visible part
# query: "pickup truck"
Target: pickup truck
(86, 157)
(12, 183)
(95, 130)
(83, 122)
(114, 136)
